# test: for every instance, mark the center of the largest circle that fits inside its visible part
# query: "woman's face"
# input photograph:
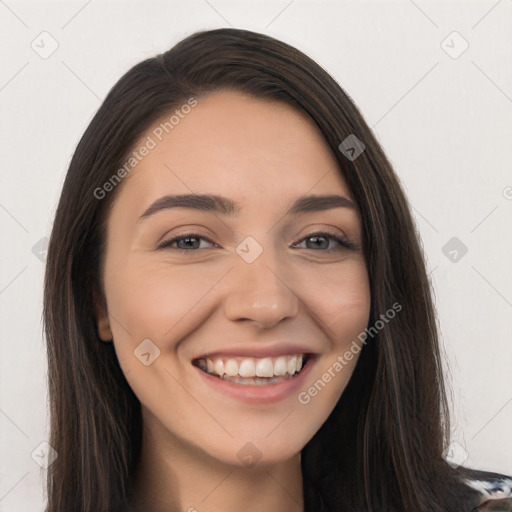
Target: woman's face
(252, 288)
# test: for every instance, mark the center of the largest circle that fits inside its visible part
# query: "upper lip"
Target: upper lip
(258, 352)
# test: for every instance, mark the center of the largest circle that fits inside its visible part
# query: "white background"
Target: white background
(445, 123)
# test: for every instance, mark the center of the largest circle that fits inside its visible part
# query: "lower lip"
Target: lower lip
(259, 394)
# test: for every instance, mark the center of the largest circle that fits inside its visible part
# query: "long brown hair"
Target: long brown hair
(381, 448)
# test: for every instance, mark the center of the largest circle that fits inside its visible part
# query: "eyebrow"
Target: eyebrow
(225, 206)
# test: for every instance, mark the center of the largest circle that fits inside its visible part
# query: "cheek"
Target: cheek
(147, 294)
(341, 301)
(157, 301)
(341, 306)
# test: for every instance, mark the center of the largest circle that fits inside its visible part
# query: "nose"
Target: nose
(260, 294)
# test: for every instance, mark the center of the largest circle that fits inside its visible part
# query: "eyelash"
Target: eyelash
(345, 244)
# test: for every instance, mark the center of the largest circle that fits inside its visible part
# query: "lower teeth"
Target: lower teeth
(256, 380)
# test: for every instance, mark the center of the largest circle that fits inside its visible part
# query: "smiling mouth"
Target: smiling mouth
(251, 370)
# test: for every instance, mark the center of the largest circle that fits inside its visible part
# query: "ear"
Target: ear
(101, 314)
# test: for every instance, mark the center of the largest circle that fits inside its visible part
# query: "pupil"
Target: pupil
(316, 238)
(187, 240)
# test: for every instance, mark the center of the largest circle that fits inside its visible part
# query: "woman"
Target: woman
(236, 304)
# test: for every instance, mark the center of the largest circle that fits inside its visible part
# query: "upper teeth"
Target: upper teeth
(253, 367)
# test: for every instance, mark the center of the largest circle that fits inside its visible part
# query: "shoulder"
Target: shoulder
(495, 490)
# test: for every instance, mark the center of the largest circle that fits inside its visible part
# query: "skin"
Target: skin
(263, 154)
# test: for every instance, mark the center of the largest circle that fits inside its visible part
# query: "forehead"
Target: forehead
(234, 144)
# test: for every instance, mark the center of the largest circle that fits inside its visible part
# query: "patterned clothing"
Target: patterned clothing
(495, 490)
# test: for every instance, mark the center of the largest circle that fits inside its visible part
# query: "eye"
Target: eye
(319, 238)
(190, 242)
